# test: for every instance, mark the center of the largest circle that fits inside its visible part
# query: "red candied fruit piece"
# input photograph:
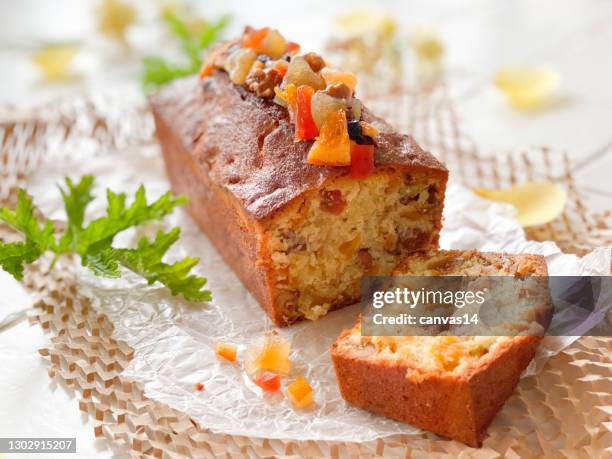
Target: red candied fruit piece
(268, 381)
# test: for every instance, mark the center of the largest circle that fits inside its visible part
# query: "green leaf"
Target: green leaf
(211, 33)
(158, 72)
(24, 221)
(15, 255)
(93, 242)
(146, 261)
(76, 199)
(99, 234)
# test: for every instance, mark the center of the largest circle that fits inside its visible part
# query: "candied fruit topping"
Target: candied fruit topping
(199, 387)
(271, 355)
(226, 351)
(305, 127)
(362, 161)
(320, 100)
(300, 392)
(268, 381)
(333, 146)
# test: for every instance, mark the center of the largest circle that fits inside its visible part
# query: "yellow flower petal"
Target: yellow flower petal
(527, 87)
(536, 203)
(55, 61)
(426, 43)
(114, 17)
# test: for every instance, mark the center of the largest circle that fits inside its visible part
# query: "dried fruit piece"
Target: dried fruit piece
(299, 73)
(332, 201)
(323, 105)
(332, 147)
(527, 87)
(281, 67)
(271, 355)
(199, 387)
(270, 382)
(226, 351)
(300, 392)
(305, 128)
(292, 47)
(362, 161)
(239, 63)
(273, 45)
(368, 130)
(287, 96)
(254, 38)
(333, 77)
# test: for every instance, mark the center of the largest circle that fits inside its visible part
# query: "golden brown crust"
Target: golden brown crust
(457, 406)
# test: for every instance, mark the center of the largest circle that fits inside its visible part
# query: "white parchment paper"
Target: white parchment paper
(174, 341)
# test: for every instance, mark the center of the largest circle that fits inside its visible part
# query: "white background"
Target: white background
(480, 36)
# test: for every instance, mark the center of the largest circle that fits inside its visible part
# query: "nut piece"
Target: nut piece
(339, 91)
(315, 61)
(262, 81)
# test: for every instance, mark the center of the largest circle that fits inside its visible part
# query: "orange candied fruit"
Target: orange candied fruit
(300, 392)
(255, 38)
(272, 355)
(333, 146)
(292, 47)
(199, 386)
(226, 351)
(268, 381)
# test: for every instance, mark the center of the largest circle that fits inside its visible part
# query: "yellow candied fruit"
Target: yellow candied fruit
(226, 351)
(332, 77)
(55, 61)
(300, 392)
(272, 355)
(368, 130)
(288, 95)
(333, 146)
(527, 87)
(273, 45)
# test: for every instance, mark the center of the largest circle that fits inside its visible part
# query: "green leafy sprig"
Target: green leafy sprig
(157, 71)
(93, 241)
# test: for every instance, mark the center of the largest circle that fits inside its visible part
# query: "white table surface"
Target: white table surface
(480, 36)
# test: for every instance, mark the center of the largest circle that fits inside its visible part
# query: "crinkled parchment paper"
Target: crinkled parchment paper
(174, 341)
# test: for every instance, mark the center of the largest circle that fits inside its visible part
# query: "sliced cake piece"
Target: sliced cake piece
(449, 385)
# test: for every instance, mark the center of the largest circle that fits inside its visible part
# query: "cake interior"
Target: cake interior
(445, 352)
(325, 242)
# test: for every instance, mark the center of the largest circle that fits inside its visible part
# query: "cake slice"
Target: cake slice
(450, 385)
(301, 200)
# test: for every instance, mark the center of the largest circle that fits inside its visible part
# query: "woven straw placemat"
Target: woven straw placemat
(566, 411)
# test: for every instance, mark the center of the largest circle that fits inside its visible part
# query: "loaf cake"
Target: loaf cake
(450, 385)
(300, 188)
